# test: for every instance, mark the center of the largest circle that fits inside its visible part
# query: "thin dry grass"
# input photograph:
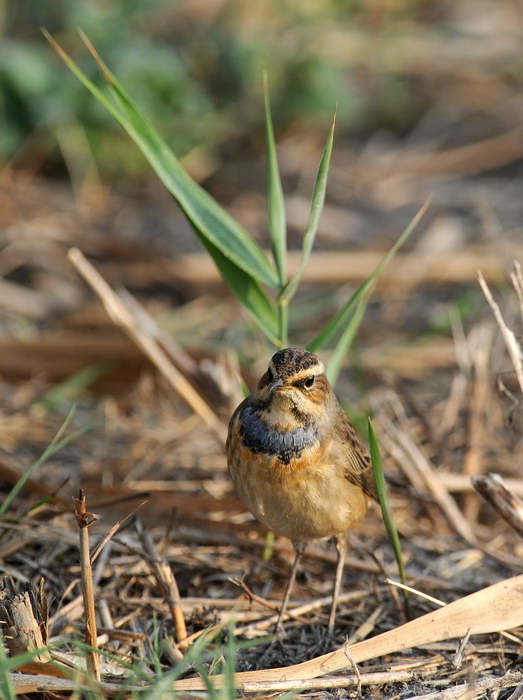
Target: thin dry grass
(84, 519)
(196, 561)
(209, 541)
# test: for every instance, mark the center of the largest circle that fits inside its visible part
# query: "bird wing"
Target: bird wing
(358, 464)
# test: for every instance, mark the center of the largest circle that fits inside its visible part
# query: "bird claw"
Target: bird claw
(279, 630)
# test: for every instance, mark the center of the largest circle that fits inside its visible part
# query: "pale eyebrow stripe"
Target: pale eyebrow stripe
(302, 374)
(318, 368)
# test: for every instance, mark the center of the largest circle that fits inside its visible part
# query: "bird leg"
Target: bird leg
(341, 548)
(299, 548)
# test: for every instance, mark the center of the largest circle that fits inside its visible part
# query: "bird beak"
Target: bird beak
(277, 385)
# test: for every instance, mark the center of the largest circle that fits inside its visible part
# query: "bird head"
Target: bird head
(295, 386)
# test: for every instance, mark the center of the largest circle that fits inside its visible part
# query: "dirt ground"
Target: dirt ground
(429, 364)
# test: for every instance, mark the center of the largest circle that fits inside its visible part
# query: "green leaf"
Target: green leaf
(345, 341)
(335, 325)
(210, 221)
(248, 291)
(381, 488)
(275, 201)
(318, 200)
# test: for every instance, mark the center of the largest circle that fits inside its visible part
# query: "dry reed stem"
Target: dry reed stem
(516, 277)
(415, 591)
(23, 619)
(124, 317)
(263, 601)
(31, 683)
(23, 301)
(366, 628)
(456, 483)
(513, 347)
(114, 529)
(303, 609)
(492, 609)
(459, 386)
(339, 267)
(469, 159)
(431, 480)
(183, 361)
(457, 661)
(474, 690)
(495, 492)
(84, 519)
(27, 683)
(167, 583)
(440, 603)
(478, 409)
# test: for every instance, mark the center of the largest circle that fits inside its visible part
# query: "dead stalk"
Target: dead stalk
(167, 583)
(513, 347)
(508, 505)
(84, 519)
(123, 316)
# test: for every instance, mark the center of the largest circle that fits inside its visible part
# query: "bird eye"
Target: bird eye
(309, 382)
(270, 375)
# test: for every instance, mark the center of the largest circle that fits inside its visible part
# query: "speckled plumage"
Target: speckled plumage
(295, 459)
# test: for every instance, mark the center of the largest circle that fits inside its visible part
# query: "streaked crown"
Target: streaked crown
(294, 367)
(295, 363)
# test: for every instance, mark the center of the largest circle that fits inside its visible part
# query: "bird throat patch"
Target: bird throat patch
(262, 438)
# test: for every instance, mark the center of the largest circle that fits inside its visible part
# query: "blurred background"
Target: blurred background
(430, 104)
(403, 73)
(429, 100)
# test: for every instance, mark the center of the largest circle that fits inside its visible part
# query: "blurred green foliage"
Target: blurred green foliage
(196, 67)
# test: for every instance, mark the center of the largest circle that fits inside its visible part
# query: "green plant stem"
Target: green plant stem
(269, 546)
(283, 322)
(388, 519)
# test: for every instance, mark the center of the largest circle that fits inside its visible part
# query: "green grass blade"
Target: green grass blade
(345, 341)
(275, 201)
(69, 389)
(212, 693)
(248, 291)
(228, 689)
(318, 200)
(381, 488)
(54, 446)
(210, 221)
(335, 325)
(11, 663)
(82, 77)
(6, 688)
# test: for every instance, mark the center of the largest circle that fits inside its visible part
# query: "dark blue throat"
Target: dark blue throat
(262, 438)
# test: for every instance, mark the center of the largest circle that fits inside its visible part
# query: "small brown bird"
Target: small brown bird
(296, 462)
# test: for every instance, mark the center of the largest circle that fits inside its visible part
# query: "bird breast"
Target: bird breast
(267, 439)
(292, 481)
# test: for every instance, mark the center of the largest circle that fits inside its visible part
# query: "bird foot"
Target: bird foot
(279, 630)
